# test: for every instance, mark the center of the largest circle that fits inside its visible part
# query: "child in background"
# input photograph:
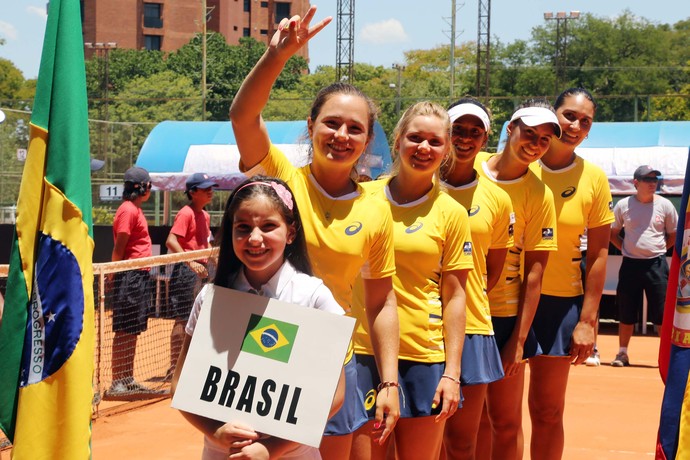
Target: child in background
(132, 288)
(262, 250)
(191, 231)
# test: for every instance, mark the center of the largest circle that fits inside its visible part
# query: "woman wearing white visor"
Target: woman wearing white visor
(514, 299)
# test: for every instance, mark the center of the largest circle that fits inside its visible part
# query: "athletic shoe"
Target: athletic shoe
(621, 360)
(593, 360)
(128, 388)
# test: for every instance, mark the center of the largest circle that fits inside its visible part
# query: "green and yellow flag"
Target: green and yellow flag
(269, 338)
(47, 332)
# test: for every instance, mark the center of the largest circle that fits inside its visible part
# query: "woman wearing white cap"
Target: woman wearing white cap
(514, 299)
(491, 219)
(567, 314)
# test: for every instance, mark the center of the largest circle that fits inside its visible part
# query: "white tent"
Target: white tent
(176, 149)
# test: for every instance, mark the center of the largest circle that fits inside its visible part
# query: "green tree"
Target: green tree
(11, 80)
(226, 67)
(625, 55)
(123, 66)
(144, 102)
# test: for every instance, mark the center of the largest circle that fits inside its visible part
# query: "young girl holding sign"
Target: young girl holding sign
(263, 251)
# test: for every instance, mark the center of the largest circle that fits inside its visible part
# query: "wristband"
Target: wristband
(387, 385)
(383, 385)
(446, 376)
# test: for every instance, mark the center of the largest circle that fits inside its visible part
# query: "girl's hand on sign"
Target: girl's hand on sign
(255, 451)
(235, 435)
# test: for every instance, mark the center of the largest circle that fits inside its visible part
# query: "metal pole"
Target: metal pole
(557, 59)
(105, 111)
(203, 60)
(452, 51)
(399, 68)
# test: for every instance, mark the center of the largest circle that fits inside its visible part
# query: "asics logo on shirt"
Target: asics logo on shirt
(414, 227)
(353, 228)
(568, 192)
(473, 210)
(547, 233)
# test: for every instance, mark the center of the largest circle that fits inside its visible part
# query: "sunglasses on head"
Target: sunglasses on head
(649, 179)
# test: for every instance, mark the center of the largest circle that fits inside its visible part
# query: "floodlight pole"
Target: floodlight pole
(104, 48)
(560, 56)
(398, 87)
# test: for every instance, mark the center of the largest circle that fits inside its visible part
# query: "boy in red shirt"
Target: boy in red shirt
(191, 230)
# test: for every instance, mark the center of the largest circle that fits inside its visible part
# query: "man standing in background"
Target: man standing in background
(650, 223)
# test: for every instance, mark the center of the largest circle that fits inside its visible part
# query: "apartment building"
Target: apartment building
(166, 25)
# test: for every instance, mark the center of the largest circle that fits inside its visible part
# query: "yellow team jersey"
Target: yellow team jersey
(343, 234)
(534, 230)
(583, 200)
(432, 236)
(491, 222)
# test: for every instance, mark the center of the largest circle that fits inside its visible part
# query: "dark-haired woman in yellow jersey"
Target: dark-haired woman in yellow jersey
(566, 318)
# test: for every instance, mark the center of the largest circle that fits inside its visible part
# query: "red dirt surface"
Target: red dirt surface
(611, 414)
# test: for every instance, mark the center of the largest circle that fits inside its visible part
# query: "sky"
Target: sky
(384, 29)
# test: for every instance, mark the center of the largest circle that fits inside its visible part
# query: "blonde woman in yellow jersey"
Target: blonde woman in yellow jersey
(433, 254)
(491, 222)
(566, 318)
(513, 301)
(347, 231)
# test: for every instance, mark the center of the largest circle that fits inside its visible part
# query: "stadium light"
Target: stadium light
(560, 55)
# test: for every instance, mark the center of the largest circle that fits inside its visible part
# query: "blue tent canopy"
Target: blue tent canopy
(620, 147)
(175, 149)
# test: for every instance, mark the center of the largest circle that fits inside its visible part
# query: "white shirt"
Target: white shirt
(646, 226)
(287, 285)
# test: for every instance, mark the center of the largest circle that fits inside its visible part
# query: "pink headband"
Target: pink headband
(282, 192)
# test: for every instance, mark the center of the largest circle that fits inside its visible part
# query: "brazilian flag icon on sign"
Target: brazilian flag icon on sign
(269, 338)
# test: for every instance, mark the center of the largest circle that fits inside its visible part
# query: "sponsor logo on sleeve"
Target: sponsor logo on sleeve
(547, 233)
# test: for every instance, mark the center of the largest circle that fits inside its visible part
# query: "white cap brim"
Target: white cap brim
(468, 108)
(2, 116)
(535, 116)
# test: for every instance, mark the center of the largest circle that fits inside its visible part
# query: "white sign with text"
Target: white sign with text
(270, 364)
(110, 192)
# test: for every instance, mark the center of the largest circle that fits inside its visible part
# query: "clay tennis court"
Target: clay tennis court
(611, 414)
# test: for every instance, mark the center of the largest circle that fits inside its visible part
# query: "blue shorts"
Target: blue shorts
(418, 383)
(555, 322)
(503, 328)
(481, 360)
(351, 415)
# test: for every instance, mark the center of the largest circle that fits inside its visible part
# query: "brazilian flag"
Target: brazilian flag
(47, 332)
(270, 338)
